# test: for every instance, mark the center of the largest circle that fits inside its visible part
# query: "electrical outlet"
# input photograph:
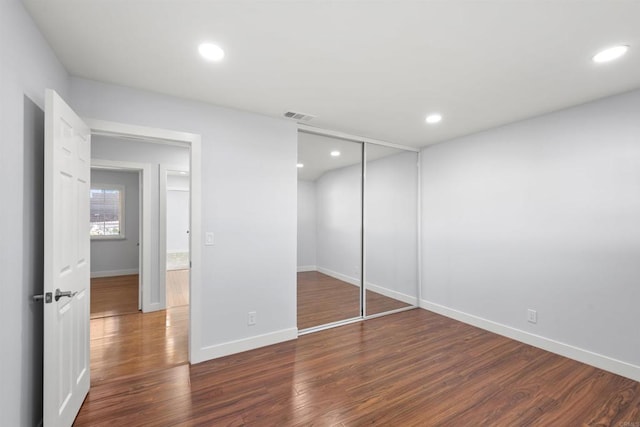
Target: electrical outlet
(532, 316)
(252, 318)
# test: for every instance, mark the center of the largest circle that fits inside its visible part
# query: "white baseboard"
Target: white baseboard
(111, 273)
(351, 280)
(304, 268)
(233, 347)
(154, 306)
(390, 293)
(585, 356)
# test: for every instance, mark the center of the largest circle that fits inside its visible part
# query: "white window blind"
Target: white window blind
(106, 211)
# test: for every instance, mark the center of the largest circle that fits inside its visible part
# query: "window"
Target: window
(106, 207)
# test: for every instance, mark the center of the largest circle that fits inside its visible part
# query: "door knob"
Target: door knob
(59, 294)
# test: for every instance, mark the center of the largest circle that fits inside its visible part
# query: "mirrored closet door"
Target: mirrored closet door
(391, 229)
(329, 230)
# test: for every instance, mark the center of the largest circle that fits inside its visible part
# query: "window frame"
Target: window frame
(122, 189)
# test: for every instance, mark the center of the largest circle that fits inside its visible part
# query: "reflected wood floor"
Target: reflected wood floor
(323, 299)
(414, 368)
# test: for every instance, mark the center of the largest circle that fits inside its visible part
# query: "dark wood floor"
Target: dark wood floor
(116, 295)
(113, 296)
(413, 368)
(323, 299)
(124, 341)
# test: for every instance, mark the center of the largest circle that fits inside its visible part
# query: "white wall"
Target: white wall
(307, 226)
(339, 223)
(27, 67)
(110, 148)
(541, 214)
(391, 209)
(115, 257)
(249, 202)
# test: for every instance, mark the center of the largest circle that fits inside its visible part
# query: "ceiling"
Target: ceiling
(370, 68)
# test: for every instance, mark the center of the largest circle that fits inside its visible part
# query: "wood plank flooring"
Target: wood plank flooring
(323, 299)
(137, 343)
(414, 368)
(113, 296)
(177, 288)
(124, 341)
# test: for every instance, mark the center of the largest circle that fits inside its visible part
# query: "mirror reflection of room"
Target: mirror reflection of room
(331, 223)
(391, 227)
(329, 230)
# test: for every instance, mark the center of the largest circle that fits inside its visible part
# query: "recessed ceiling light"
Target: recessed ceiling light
(335, 153)
(300, 165)
(433, 118)
(211, 52)
(610, 54)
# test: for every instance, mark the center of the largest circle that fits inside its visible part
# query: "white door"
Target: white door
(66, 262)
(178, 227)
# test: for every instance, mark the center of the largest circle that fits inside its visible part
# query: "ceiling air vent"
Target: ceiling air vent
(301, 117)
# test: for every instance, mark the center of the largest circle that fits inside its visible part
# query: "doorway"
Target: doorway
(174, 219)
(132, 341)
(115, 229)
(160, 337)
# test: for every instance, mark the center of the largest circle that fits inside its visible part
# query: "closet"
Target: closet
(357, 229)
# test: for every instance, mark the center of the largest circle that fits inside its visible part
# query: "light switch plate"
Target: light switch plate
(208, 238)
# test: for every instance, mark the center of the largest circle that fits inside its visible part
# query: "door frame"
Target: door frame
(164, 169)
(144, 221)
(193, 142)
